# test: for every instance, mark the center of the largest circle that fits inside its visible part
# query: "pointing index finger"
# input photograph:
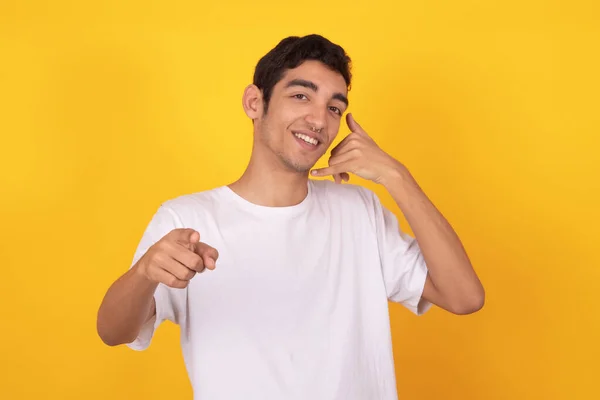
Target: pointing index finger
(186, 236)
(209, 254)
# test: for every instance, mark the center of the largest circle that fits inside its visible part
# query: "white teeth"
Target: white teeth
(307, 139)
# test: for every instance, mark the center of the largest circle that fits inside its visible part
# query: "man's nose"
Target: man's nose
(317, 118)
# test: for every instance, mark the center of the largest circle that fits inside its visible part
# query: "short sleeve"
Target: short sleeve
(170, 302)
(403, 267)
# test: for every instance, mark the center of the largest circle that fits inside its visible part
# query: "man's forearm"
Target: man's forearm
(128, 304)
(454, 281)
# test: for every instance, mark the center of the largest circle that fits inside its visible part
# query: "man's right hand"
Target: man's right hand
(177, 258)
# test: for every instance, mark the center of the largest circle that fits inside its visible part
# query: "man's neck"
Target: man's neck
(271, 186)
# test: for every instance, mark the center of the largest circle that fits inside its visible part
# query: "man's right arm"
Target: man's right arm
(127, 306)
(129, 302)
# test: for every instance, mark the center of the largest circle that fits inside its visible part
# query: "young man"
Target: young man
(295, 303)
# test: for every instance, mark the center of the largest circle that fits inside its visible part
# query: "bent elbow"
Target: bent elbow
(109, 341)
(113, 340)
(109, 336)
(471, 304)
(106, 337)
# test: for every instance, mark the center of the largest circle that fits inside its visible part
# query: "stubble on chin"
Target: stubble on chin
(294, 165)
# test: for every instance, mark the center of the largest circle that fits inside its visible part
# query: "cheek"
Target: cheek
(272, 129)
(334, 129)
(281, 116)
(289, 115)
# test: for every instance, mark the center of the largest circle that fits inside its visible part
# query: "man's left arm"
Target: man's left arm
(451, 283)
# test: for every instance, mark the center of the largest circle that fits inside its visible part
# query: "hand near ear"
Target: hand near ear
(357, 153)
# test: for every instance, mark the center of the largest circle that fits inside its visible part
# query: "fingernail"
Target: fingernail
(314, 172)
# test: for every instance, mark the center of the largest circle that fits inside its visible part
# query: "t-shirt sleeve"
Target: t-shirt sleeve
(170, 302)
(403, 267)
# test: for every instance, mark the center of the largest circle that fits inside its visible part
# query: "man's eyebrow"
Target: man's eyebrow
(303, 83)
(312, 86)
(342, 98)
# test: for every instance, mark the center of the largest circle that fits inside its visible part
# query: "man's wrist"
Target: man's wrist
(139, 270)
(400, 184)
(395, 175)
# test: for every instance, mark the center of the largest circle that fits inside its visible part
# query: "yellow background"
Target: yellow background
(107, 109)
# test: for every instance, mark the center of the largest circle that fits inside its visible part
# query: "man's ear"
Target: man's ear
(253, 102)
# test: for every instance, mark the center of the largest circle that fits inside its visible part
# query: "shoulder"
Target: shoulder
(347, 193)
(192, 205)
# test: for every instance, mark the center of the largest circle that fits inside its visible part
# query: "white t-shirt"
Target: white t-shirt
(297, 307)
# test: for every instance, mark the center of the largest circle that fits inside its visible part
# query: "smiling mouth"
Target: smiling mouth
(306, 138)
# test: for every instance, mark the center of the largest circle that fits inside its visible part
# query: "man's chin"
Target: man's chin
(301, 168)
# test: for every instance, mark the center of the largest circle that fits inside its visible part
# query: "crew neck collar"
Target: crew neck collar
(269, 210)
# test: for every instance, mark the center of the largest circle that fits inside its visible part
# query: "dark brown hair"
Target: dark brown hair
(293, 51)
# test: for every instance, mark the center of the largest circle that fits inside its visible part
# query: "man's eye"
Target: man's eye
(336, 110)
(300, 96)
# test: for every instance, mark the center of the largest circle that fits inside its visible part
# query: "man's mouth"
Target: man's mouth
(306, 138)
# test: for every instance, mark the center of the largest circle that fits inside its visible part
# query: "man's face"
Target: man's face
(304, 115)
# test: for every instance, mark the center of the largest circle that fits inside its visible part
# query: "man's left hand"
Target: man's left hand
(358, 153)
